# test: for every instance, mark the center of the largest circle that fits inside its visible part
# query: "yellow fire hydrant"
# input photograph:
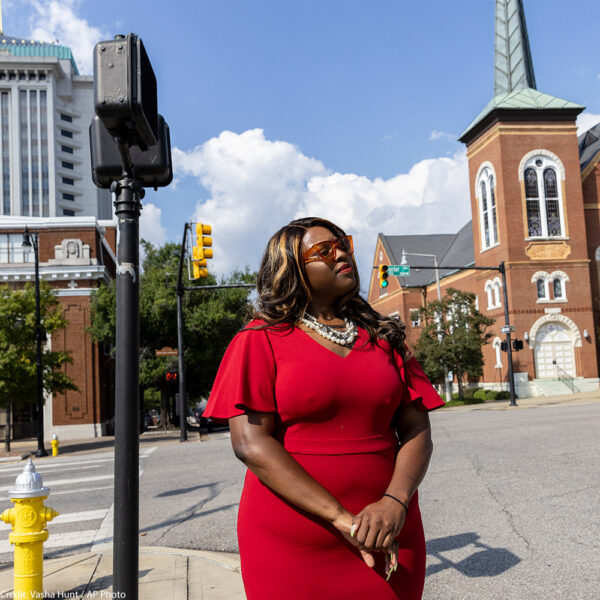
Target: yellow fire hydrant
(55, 442)
(28, 518)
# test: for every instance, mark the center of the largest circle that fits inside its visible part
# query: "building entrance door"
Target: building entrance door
(554, 354)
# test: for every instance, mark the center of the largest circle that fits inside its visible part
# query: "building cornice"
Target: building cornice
(26, 273)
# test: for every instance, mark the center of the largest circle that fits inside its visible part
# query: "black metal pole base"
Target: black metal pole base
(126, 512)
(40, 452)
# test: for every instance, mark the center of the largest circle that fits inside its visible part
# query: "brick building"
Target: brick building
(535, 205)
(76, 254)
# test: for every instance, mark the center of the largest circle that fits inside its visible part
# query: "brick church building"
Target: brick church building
(535, 204)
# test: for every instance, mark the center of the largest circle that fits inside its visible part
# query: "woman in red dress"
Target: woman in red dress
(328, 411)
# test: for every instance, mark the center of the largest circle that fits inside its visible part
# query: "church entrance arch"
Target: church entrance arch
(554, 350)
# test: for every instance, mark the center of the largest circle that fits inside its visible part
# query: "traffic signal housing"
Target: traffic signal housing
(517, 345)
(202, 250)
(383, 276)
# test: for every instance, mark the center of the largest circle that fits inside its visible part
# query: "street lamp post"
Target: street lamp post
(32, 240)
(439, 296)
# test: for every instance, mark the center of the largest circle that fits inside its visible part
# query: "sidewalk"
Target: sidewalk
(534, 402)
(164, 573)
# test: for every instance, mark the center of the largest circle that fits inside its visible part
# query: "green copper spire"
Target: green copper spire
(514, 82)
(513, 68)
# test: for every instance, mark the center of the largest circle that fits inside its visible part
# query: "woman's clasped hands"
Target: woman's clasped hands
(374, 529)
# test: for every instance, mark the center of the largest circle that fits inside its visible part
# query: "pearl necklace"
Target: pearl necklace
(344, 338)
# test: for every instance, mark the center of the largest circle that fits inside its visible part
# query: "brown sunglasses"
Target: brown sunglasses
(327, 250)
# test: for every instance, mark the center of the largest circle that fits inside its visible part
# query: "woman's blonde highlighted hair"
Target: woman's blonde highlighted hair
(284, 293)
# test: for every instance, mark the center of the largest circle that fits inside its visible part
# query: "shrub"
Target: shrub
(480, 395)
(503, 395)
(491, 395)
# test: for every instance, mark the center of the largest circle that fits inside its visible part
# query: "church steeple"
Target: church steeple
(515, 93)
(513, 67)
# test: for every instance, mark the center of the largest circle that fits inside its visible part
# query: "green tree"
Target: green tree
(454, 334)
(211, 319)
(18, 365)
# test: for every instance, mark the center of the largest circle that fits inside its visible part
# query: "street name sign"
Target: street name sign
(507, 328)
(397, 270)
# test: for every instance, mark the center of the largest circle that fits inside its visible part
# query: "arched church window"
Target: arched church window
(552, 208)
(541, 289)
(534, 223)
(543, 196)
(485, 216)
(487, 207)
(557, 288)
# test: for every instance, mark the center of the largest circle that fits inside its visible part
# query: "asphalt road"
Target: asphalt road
(510, 503)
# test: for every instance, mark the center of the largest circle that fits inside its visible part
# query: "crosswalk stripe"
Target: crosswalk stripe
(78, 490)
(54, 482)
(44, 466)
(84, 515)
(61, 540)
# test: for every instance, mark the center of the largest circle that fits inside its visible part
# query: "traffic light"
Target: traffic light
(171, 376)
(202, 250)
(517, 345)
(383, 276)
(504, 346)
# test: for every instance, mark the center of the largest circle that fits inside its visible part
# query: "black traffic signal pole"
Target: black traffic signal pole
(128, 193)
(183, 405)
(511, 375)
(502, 269)
(183, 408)
(41, 451)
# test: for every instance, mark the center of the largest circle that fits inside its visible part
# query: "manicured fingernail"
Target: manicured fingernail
(353, 529)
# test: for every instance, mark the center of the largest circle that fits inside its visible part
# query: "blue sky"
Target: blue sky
(348, 110)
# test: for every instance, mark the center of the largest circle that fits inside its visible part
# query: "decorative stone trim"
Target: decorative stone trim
(560, 168)
(560, 318)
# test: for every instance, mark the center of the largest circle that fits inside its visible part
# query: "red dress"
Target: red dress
(334, 418)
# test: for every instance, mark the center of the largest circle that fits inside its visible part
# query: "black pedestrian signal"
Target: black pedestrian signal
(517, 345)
(504, 346)
(383, 276)
(171, 376)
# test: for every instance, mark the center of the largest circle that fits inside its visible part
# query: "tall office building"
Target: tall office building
(45, 110)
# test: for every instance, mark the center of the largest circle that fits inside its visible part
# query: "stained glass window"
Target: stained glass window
(558, 290)
(531, 186)
(487, 208)
(484, 208)
(493, 208)
(544, 217)
(541, 288)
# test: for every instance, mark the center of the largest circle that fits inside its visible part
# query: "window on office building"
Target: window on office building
(5, 140)
(33, 138)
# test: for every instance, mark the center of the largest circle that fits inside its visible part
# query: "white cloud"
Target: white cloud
(58, 20)
(585, 120)
(441, 135)
(151, 228)
(257, 185)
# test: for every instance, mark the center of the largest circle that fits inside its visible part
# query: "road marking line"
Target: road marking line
(90, 489)
(84, 515)
(63, 481)
(39, 466)
(59, 540)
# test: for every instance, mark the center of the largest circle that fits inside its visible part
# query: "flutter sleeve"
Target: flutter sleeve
(245, 379)
(418, 387)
